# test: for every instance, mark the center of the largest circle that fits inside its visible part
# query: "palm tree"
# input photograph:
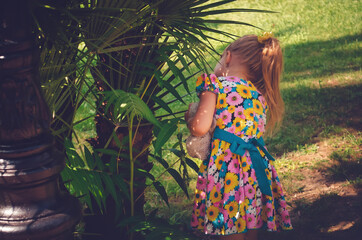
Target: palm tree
(138, 53)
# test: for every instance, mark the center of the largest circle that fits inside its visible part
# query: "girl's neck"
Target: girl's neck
(239, 71)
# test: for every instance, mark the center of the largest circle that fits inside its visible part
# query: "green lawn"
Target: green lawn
(321, 87)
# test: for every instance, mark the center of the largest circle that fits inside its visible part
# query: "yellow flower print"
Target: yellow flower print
(240, 225)
(197, 212)
(231, 109)
(264, 213)
(212, 213)
(244, 206)
(198, 197)
(231, 181)
(239, 124)
(252, 130)
(251, 181)
(259, 135)
(275, 190)
(219, 84)
(215, 195)
(245, 166)
(252, 87)
(244, 91)
(218, 162)
(202, 168)
(261, 152)
(220, 123)
(215, 146)
(232, 209)
(249, 114)
(221, 101)
(199, 81)
(258, 108)
(267, 173)
(201, 224)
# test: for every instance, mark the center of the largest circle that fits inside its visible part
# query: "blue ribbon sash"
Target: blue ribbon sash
(239, 146)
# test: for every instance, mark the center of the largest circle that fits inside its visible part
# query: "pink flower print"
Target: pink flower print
(227, 89)
(232, 79)
(252, 174)
(213, 78)
(231, 129)
(261, 125)
(248, 161)
(245, 177)
(210, 182)
(227, 155)
(262, 100)
(249, 191)
(234, 99)
(227, 195)
(274, 172)
(285, 216)
(239, 112)
(271, 225)
(259, 222)
(202, 210)
(234, 166)
(250, 221)
(194, 221)
(269, 209)
(225, 116)
(283, 203)
(201, 183)
(230, 223)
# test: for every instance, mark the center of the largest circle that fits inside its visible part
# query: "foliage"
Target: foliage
(139, 53)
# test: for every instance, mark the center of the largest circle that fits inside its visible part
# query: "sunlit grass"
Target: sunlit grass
(321, 84)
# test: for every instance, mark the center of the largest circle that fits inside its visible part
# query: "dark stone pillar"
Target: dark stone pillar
(32, 205)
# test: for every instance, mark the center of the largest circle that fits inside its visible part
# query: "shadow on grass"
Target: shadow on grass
(347, 166)
(314, 112)
(320, 58)
(330, 217)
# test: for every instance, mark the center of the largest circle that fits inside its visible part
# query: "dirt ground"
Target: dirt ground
(328, 204)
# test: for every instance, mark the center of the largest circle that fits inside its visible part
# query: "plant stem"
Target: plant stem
(130, 125)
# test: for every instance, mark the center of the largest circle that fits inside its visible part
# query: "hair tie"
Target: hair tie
(265, 36)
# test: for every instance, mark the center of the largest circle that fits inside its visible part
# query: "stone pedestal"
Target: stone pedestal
(32, 205)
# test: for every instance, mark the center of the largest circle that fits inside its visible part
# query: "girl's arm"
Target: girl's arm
(202, 121)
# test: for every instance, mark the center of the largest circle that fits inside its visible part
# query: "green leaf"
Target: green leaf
(118, 180)
(172, 90)
(179, 180)
(164, 134)
(161, 190)
(192, 164)
(126, 103)
(110, 186)
(160, 160)
(162, 104)
(89, 161)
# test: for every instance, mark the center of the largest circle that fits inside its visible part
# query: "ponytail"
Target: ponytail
(272, 65)
(265, 63)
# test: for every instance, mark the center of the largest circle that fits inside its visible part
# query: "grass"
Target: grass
(321, 87)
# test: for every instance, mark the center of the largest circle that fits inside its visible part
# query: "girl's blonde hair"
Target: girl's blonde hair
(265, 63)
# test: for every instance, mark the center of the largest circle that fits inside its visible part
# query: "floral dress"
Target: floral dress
(228, 199)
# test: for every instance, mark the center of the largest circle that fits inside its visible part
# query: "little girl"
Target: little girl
(238, 190)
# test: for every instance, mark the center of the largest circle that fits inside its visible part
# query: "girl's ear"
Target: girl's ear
(228, 58)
